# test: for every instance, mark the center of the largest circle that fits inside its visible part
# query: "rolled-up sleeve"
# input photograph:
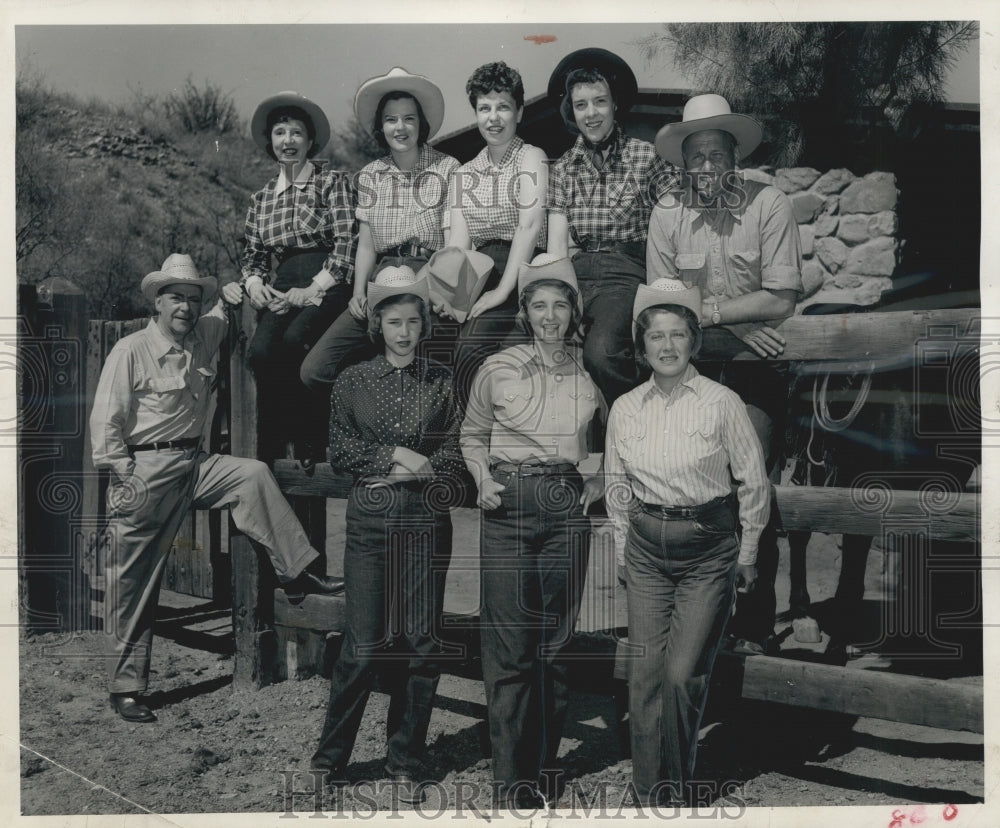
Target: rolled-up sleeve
(780, 246)
(110, 415)
(660, 246)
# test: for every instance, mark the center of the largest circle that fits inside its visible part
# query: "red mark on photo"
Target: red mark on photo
(538, 40)
(950, 812)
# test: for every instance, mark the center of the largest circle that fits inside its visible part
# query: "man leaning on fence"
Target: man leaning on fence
(737, 240)
(149, 415)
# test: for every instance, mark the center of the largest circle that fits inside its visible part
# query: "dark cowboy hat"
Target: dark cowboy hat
(618, 73)
(321, 126)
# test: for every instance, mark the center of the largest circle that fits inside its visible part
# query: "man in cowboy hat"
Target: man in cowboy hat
(738, 241)
(601, 192)
(146, 427)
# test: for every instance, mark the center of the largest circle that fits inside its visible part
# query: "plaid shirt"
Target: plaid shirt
(400, 206)
(316, 211)
(490, 195)
(611, 204)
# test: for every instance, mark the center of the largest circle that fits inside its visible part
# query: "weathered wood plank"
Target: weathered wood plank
(314, 612)
(321, 482)
(877, 695)
(888, 336)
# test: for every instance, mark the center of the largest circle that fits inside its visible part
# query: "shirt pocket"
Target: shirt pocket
(623, 198)
(309, 219)
(690, 266)
(703, 433)
(517, 405)
(631, 444)
(745, 265)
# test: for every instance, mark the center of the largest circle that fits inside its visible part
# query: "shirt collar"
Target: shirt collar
(161, 344)
(383, 367)
(527, 357)
(425, 156)
(735, 210)
(581, 152)
(482, 161)
(687, 383)
(300, 180)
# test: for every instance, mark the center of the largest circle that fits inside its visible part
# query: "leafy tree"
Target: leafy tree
(820, 88)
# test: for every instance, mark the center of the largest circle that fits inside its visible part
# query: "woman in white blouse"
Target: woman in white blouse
(673, 445)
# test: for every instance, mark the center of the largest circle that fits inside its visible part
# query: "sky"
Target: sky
(327, 62)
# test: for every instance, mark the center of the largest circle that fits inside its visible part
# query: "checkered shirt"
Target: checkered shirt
(401, 206)
(611, 204)
(488, 195)
(314, 213)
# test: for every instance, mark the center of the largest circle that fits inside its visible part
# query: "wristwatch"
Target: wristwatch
(716, 316)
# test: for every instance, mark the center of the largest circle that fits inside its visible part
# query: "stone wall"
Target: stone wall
(849, 231)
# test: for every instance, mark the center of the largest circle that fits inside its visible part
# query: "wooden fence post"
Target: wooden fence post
(252, 573)
(52, 343)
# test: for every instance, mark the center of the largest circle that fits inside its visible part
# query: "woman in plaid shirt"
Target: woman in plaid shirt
(304, 218)
(400, 204)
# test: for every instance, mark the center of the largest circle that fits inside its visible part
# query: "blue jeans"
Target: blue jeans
(534, 552)
(609, 281)
(395, 565)
(681, 577)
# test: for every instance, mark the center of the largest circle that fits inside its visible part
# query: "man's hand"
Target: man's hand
(767, 342)
(300, 297)
(746, 578)
(593, 489)
(489, 494)
(232, 293)
(261, 295)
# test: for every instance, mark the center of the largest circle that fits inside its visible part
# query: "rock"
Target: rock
(795, 179)
(813, 277)
(806, 206)
(66, 697)
(872, 194)
(883, 224)
(755, 174)
(853, 229)
(844, 279)
(807, 235)
(873, 258)
(825, 225)
(33, 765)
(832, 252)
(833, 181)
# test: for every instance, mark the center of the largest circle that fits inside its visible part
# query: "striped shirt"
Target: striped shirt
(679, 450)
(489, 196)
(315, 211)
(152, 390)
(401, 206)
(521, 410)
(612, 204)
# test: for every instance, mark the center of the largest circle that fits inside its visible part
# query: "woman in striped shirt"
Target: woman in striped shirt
(673, 444)
(304, 219)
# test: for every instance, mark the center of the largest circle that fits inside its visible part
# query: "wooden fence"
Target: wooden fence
(275, 639)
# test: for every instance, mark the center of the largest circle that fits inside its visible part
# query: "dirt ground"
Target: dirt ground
(217, 751)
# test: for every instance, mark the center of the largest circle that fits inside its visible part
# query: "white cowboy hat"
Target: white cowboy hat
(548, 266)
(666, 292)
(395, 281)
(428, 95)
(708, 112)
(258, 124)
(457, 278)
(178, 268)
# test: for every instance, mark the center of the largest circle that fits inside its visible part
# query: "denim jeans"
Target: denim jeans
(395, 565)
(534, 552)
(608, 281)
(681, 584)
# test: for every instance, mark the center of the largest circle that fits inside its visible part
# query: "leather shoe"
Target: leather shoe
(306, 583)
(408, 790)
(130, 708)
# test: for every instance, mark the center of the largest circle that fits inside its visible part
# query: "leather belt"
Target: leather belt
(187, 442)
(532, 469)
(409, 250)
(633, 249)
(682, 512)
(495, 242)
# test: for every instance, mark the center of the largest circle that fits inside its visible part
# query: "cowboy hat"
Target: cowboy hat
(178, 268)
(258, 124)
(666, 292)
(708, 112)
(548, 266)
(616, 71)
(457, 278)
(428, 95)
(395, 281)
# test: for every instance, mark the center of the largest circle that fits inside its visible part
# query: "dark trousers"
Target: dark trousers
(608, 281)
(681, 584)
(287, 408)
(534, 552)
(395, 565)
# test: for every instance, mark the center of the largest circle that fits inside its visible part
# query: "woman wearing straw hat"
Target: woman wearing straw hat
(497, 206)
(400, 203)
(601, 192)
(304, 218)
(673, 445)
(524, 433)
(394, 427)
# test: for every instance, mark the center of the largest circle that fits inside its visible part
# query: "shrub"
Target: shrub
(207, 109)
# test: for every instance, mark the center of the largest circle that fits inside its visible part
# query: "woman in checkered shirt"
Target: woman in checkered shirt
(304, 219)
(400, 204)
(497, 206)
